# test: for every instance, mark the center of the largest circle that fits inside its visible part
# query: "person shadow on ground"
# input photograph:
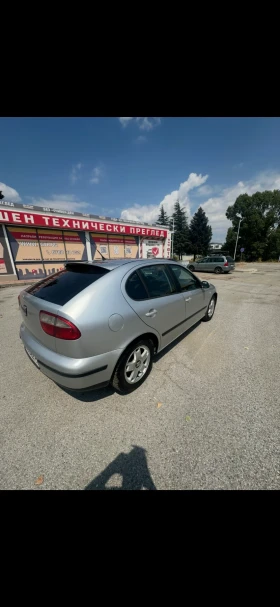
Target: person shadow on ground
(133, 469)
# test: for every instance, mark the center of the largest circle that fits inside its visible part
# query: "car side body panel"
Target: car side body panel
(109, 321)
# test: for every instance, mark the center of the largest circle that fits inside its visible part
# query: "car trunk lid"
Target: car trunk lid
(231, 262)
(51, 294)
(30, 308)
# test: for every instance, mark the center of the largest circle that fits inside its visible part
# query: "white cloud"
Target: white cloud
(65, 202)
(10, 194)
(149, 213)
(205, 190)
(96, 174)
(74, 175)
(216, 207)
(144, 123)
(147, 124)
(124, 121)
(141, 139)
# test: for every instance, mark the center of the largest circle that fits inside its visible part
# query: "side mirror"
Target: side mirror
(205, 284)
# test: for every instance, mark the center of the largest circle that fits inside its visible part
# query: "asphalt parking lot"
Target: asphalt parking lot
(206, 418)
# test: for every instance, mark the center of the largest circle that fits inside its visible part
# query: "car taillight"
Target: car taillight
(226, 264)
(59, 327)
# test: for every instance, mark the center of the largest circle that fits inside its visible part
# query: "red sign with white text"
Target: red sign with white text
(48, 221)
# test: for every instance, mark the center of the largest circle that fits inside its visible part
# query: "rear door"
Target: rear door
(213, 263)
(153, 294)
(194, 295)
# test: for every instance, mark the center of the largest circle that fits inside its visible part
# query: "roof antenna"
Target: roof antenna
(103, 258)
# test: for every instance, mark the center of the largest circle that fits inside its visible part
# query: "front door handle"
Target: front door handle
(151, 313)
(188, 299)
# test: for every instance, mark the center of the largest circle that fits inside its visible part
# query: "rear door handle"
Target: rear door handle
(151, 313)
(188, 299)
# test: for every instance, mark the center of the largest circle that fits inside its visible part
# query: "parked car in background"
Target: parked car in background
(213, 263)
(96, 323)
(185, 264)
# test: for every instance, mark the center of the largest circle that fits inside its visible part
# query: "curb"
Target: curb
(16, 283)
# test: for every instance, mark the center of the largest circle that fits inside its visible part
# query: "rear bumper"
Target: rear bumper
(72, 373)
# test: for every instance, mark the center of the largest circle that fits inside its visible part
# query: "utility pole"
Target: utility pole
(240, 219)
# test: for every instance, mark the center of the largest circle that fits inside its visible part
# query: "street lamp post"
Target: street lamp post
(172, 238)
(240, 219)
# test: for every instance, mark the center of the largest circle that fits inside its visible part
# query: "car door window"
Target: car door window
(157, 281)
(202, 260)
(185, 280)
(135, 288)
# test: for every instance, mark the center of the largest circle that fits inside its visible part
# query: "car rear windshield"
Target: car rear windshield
(230, 259)
(64, 285)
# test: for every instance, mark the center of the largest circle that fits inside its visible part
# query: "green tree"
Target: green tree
(272, 250)
(261, 219)
(163, 218)
(181, 230)
(1, 195)
(200, 233)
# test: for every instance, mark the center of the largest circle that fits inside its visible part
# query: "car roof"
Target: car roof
(112, 264)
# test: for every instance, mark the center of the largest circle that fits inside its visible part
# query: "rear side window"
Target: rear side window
(220, 259)
(135, 288)
(63, 286)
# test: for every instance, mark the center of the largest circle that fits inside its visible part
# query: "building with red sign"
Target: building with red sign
(36, 241)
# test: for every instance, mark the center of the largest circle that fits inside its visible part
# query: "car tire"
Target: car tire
(122, 379)
(191, 268)
(210, 309)
(218, 270)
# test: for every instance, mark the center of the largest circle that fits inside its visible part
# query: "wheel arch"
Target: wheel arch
(147, 335)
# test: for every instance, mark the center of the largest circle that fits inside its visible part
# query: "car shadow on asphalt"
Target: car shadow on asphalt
(91, 396)
(133, 469)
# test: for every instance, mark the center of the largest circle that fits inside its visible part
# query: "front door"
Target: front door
(202, 265)
(194, 295)
(153, 294)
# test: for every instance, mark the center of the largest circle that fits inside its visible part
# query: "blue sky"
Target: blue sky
(127, 167)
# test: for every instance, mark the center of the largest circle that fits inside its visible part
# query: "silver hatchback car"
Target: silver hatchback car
(97, 323)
